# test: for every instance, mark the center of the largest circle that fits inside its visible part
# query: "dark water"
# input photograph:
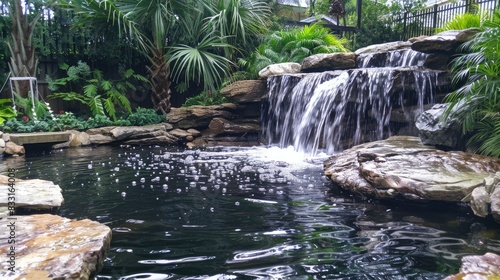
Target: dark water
(251, 213)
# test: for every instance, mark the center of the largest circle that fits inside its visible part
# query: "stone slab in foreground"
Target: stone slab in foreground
(31, 194)
(51, 247)
(402, 167)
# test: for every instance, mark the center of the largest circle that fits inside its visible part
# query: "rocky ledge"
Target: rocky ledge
(51, 247)
(37, 195)
(401, 167)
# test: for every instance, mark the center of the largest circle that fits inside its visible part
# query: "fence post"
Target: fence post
(405, 27)
(434, 18)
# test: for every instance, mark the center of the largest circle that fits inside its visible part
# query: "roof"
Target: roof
(326, 18)
(296, 3)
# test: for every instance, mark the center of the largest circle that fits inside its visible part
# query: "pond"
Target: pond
(250, 213)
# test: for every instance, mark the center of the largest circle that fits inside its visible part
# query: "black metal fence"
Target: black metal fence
(426, 21)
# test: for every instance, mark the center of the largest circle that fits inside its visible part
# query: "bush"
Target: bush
(478, 99)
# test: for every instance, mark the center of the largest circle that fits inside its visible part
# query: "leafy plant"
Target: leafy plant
(25, 104)
(205, 99)
(143, 116)
(89, 87)
(6, 111)
(476, 103)
(293, 46)
(463, 21)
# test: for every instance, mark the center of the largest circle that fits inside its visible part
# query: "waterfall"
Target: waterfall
(395, 58)
(330, 111)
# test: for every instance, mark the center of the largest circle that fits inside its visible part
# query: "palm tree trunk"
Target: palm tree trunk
(23, 61)
(160, 72)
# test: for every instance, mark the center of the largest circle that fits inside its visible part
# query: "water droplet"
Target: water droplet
(124, 194)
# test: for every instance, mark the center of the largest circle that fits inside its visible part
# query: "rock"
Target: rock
(80, 138)
(438, 61)
(2, 146)
(386, 47)
(414, 171)
(480, 200)
(280, 69)
(245, 91)
(476, 267)
(100, 130)
(199, 116)
(495, 203)
(12, 148)
(31, 194)
(180, 133)
(434, 131)
(100, 139)
(221, 126)
(164, 138)
(329, 61)
(194, 132)
(446, 41)
(76, 139)
(123, 132)
(52, 247)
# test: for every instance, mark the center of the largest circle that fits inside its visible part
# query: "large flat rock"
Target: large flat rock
(51, 247)
(30, 194)
(401, 167)
(39, 137)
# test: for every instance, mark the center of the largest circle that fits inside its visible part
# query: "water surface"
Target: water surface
(250, 213)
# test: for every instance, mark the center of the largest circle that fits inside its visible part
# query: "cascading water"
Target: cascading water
(337, 109)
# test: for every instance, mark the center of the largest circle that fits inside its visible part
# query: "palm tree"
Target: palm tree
(158, 26)
(477, 102)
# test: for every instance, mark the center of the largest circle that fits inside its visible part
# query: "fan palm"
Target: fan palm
(477, 102)
(293, 46)
(158, 26)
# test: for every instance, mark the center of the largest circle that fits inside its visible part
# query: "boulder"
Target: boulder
(100, 139)
(245, 91)
(433, 130)
(123, 132)
(401, 167)
(221, 126)
(279, 69)
(12, 148)
(386, 47)
(162, 138)
(76, 139)
(2, 146)
(329, 61)
(100, 130)
(476, 267)
(51, 247)
(199, 117)
(446, 41)
(39, 195)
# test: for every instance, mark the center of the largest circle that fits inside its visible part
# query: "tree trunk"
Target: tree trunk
(23, 61)
(160, 72)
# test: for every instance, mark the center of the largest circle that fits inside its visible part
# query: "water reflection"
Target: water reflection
(249, 214)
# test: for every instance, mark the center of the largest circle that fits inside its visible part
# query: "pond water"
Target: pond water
(250, 213)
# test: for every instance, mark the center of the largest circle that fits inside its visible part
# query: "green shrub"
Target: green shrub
(205, 99)
(90, 88)
(478, 99)
(143, 116)
(293, 46)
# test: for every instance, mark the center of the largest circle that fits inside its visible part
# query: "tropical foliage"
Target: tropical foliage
(293, 46)
(197, 37)
(477, 102)
(6, 110)
(464, 21)
(68, 120)
(102, 96)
